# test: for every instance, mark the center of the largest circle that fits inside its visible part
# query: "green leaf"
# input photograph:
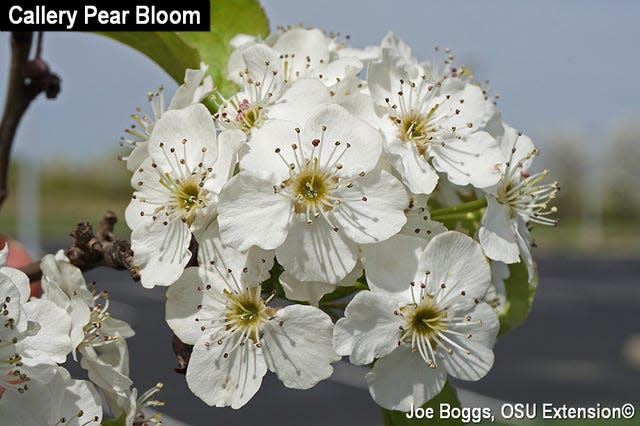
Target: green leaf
(447, 395)
(519, 297)
(120, 421)
(228, 18)
(167, 49)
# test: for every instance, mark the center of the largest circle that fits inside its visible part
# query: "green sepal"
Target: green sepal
(120, 421)
(519, 295)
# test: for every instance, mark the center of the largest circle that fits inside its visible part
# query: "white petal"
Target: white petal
(341, 126)
(160, 252)
(522, 144)
(62, 281)
(300, 101)
(261, 62)
(312, 291)
(419, 223)
(402, 378)
(524, 244)
(457, 261)
(225, 381)
(497, 233)
(20, 280)
(261, 155)
(107, 366)
(300, 43)
(183, 299)
(314, 252)
(369, 329)
(297, 346)
(477, 363)
(229, 141)
(337, 70)
(373, 210)
(186, 94)
(12, 305)
(416, 172)
(193, 123)
(475, 160)
(52, 343)
(47, 403)
(4, 254)
(391, 265)
(251, 213)
(474, 109)
(79, 313)
(254, 264)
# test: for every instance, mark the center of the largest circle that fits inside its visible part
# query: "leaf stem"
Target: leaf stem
(471, 206)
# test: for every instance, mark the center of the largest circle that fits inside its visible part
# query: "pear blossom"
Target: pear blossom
(285, 77)
(312, 194)
(177, 190)
(423, 329)
(34, 336)
(61, 400)
(429, 126)
(197, 85)
(132, 406)
(63, 284)
(516, 200)
(237, 337)
(91, 322)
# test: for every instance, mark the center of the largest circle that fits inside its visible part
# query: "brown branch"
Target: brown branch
(27, 79)
(90, 250)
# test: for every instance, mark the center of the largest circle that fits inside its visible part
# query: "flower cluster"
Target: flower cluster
(37, 335)
(329, 161)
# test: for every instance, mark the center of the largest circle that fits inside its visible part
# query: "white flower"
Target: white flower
(423, 329)
(294, 53)
(405, 248)
(237, 336)
(313, 194)
(91, 322)
(132, 406)
(516, 200)
(34, 335)
(286, 77)
(197, 84)
(61, 401)
(64, 285)
(177, 190)
(429, 126)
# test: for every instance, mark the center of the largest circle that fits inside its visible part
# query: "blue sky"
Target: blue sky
(557, 65)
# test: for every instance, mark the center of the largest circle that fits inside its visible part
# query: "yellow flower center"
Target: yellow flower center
(247, 311)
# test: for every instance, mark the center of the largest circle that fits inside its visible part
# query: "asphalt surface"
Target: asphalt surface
(570, 350)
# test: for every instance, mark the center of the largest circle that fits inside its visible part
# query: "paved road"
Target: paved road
(569, 350)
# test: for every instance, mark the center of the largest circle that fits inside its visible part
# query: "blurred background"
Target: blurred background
(566, 73)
